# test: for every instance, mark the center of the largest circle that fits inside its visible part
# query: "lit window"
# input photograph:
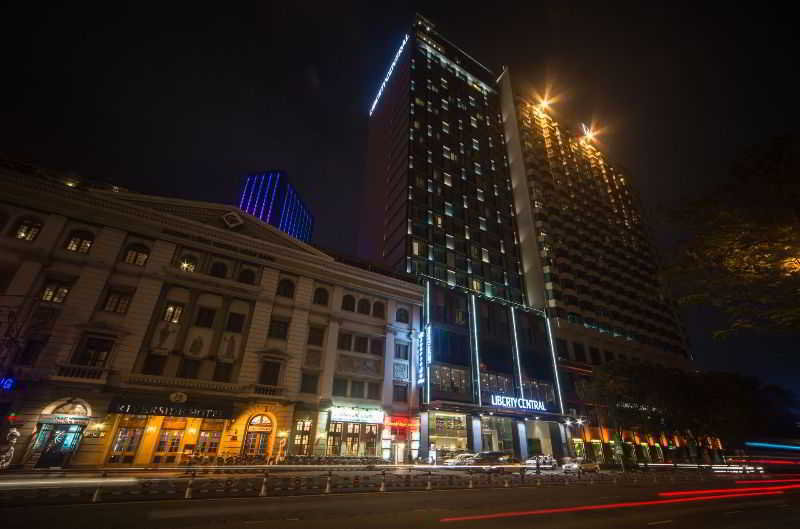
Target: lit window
(27, 230)
(448, 180)
(473, 121)
(475, 284)
(438, 221)
(416, 248)
(444, 104)
(466, 232)
(445, 127)
(55, 292)
(482, 222)
(476, 145)
(484, 255)
(476, 167)
(451, 245)
(117, 302)
(172, 313)
(448, 209)
(430, 130)
(188, 263)
(80, 241)
(137, 254)
(480, 194)
(471, 101)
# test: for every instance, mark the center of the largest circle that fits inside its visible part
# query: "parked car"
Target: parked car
(460, 459)
(545, 462)
(579, 465)
(494, 460)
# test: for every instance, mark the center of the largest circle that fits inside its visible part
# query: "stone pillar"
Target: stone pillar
(388, 369)
(329, 360)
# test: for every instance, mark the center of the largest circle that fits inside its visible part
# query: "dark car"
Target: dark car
(493, 459)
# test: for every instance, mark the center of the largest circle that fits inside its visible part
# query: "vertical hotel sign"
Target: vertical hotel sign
(424, 357)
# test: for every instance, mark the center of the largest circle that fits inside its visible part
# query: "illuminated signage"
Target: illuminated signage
(6, 384)
(424, 356)
(388, 75)
(347, 414)
(222, 411)
(518, 404)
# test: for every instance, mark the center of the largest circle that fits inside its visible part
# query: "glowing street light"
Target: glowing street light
(588, 133)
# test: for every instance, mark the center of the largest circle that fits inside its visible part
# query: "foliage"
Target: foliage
(743, 256)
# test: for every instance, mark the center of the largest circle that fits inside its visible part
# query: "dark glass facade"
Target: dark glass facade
(270, 197)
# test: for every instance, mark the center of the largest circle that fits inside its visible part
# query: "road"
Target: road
(427, 509)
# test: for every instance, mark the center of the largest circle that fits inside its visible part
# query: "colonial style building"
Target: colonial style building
(148, 331)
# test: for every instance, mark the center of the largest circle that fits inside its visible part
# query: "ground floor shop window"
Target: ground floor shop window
(353, 439)
(302, 437)
(447, 433)
(577, 447)
(168, 445)
(55, 443)
(496, 434)
(126, 442)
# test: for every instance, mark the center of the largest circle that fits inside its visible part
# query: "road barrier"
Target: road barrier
(276, 480)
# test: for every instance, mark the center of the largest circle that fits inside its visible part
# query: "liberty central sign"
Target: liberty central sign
(517, 403)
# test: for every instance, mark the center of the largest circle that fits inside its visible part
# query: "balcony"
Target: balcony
(268, 391)
(73, 372)
(139, 379)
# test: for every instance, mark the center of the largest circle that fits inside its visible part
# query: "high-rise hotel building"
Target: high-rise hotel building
(270, 197)
(440, 205)
(585, 250)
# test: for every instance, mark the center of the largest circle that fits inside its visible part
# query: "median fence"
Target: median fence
(278, 480)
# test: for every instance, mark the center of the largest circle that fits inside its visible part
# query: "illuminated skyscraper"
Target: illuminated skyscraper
(440, 206)
(270, 197)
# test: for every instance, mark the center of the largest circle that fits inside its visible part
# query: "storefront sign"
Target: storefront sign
(220, 411)
(347, 414)
(63, 419)
(7, 383)
(401, 422)
(517, 403)
(424, 355)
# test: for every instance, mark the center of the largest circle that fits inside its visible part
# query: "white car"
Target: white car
(578, 465)
(545, 462)
(460, 459)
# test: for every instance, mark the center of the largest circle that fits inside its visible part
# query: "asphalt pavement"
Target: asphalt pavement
(607, 506)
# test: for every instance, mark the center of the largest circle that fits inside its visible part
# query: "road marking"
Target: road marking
(660, 522)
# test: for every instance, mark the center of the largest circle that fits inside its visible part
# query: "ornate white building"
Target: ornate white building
(147, 330)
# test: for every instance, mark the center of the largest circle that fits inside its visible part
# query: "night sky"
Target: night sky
(185, 100)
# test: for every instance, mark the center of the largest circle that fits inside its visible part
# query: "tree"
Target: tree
(743, 255)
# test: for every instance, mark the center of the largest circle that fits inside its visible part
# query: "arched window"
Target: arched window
(349, 303)
(188, 263)
(320, 296)
(137, 254)
(246, 275)
(286, 288)
(363, 306)
(27, 229)
(378, 310)
(219, 269)
(402, 316)
(257, 437)
(80, 241)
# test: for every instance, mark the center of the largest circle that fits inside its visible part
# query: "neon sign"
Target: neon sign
(7, 383)
(388, 75)
(517, 403)
(347, 414)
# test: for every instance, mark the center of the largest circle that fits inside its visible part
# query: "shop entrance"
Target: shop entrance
(57, 442)
(488, 441)
(256, 441)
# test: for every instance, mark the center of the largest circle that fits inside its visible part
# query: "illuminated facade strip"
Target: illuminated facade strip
(388, 75)
(555, 363)
(476, 373)
(516, 352)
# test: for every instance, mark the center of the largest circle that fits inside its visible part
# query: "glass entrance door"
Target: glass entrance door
(57, 443)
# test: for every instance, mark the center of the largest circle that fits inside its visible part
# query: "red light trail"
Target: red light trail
(722, 491)
(748, 481)
(606, 506)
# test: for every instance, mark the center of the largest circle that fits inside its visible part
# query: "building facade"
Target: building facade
(588, 261)
(270, 197)
(440, 206)
(141, 330)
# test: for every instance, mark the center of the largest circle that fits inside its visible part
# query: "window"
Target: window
(208, 442)
(401, 351)
(278, 329)
(482, 223)
(154, 364)
(80, 241)
(363, 306)
(246, 275)
(137, 254)
(376, 346)
(374, 391)
(378, 310)
(357, 389)
(302, 437)
(270, 373)
(188, 263)
(484, 255)
(579, 351)
(476, 145)
(400, 393)
(321, 296)
(55, 292)
(448, 209)
(286, 288)
(27, 230)
(445, 127)
(172, 313)
(223, 372)
(309, 383)
(316, 335)
(349, 303)
(205, 317)
(339, 387)
(360, 344)
(480, 194)
(476, 167)
(448, 180)
(235, 322)
(345, 341)
(449, 379)
(117, 302)
(219, 269)
(189, 368)
(402, 316)
(93, 351)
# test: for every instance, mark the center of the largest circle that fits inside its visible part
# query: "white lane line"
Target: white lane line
(660, 522)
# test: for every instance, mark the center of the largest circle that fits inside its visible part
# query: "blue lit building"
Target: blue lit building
(270, 197)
